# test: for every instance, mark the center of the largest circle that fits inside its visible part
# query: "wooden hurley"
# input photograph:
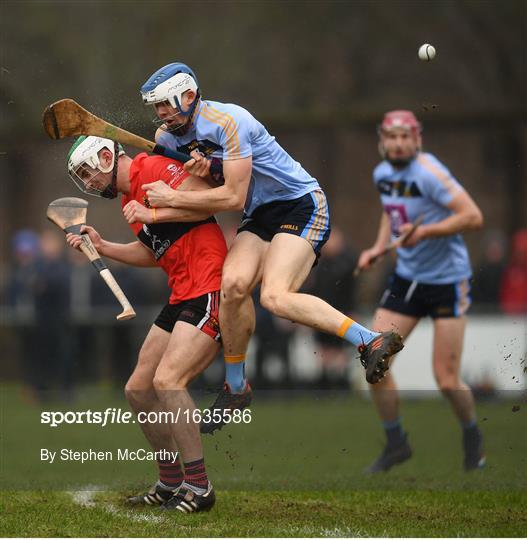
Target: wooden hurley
(69, 213)
(66, 118)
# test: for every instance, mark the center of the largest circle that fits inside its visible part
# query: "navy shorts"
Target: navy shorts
(421, 299)
(202, 312)
(307, 216)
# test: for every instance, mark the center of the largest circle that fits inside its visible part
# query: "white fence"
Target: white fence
(495, 353)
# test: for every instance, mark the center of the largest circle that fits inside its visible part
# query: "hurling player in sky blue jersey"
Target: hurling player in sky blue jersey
(431, 278)
(285, 222)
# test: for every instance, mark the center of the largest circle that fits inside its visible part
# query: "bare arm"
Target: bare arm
(466, 216)
(135, 212)
(383, 237)
(134, 253)
(230, 196)
(383, 234)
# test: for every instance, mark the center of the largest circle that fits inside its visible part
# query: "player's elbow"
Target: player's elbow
(235, 202)
(238, 204)
(475, 219)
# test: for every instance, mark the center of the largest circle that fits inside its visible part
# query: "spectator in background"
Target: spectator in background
(120, 338)
(85, 356)
(21, 297)
(273, 337)
(333, 281)
(488, 273)
(513, 291)
(52, 315)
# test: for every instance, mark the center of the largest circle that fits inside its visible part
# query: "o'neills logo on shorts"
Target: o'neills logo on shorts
(289, 227)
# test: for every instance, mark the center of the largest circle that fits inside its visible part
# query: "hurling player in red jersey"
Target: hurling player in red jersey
(185, 337)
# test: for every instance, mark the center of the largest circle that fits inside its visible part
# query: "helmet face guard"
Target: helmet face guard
(84, 166)
(167, 85)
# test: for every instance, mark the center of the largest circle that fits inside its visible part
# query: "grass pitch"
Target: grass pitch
(295, 470)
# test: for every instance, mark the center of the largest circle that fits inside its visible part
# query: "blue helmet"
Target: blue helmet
(169, 83)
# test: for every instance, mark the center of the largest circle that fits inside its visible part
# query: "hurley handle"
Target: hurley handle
(89, 250)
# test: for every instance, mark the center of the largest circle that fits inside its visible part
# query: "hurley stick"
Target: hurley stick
(66, 118)
(69, 213)
(398, 242)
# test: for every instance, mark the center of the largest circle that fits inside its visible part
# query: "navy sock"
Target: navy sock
(470, 430)
(394, 431)
(470, 425)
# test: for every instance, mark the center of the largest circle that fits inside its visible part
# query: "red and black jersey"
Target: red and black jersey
(192, 254)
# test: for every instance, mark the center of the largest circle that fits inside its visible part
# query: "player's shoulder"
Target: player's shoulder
(145, 160)
(216, 113)
(138, 163)
(382, 170)
(156, 166)
(226, 108)
(431, 166)
(166, 138)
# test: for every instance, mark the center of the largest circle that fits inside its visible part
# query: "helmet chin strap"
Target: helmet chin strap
(110, 191)
(182, 129)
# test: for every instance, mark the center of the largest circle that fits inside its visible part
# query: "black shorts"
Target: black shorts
(421, 299)
(307, 216)
(202, 312)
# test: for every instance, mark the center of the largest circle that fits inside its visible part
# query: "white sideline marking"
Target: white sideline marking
(343, 532)
(85, 498)
(335, 532)
(128, 514)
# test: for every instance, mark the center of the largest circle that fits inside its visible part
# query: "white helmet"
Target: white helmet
(84, 165)
(169, 83)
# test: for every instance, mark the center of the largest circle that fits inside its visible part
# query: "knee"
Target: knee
(171, 378)
(272, 301)
(136, 394)
(447, 382)
(234, 287)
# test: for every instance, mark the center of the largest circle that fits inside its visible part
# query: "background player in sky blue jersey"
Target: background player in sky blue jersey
(285, 222)
(431, 277)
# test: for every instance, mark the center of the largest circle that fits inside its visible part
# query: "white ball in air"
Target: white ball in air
(426, 52)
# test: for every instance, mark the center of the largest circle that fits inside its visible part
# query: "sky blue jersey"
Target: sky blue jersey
(227, 131)
(424, 187)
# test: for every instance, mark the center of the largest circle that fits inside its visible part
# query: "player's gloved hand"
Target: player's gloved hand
(74, 240)
(365, 258)
(135, 212)
(159, 194)
(414, 238)
(199, 165)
